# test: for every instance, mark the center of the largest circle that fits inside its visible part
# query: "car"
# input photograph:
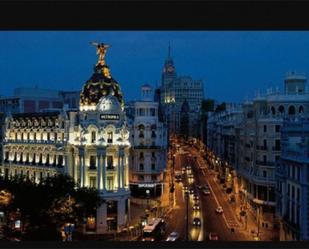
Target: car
(213, 236)
(196, 197)
(191, 190)
(197, 221)
(206, 191)
(173, 236)
(199, 187)
(205, 185)
(190, 176)
(219, 210)
(196, 206)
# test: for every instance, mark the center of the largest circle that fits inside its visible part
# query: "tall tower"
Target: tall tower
(169, 72)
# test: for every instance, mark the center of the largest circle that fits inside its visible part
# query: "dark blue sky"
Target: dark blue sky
(232, 65)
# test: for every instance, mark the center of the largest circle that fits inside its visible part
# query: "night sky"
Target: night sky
(232, 65)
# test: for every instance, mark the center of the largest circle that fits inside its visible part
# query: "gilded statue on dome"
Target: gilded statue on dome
(101, 51)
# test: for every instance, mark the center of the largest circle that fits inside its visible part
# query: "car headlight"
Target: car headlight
(152, 239)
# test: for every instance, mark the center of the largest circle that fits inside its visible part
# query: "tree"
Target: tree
(46, 206)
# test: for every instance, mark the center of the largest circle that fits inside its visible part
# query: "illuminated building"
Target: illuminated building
(148, 136)
(174, 91)
(257, 145)
(90, 144)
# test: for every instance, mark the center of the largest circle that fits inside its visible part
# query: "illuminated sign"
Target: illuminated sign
(109, 116)
(146, 185)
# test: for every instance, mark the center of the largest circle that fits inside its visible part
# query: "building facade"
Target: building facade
(174, 91)
(293, 180)
(148, 136)
(256, 141)
(90, 144)
(30, 100)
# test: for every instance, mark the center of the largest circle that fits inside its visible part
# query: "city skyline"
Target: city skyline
(252, 61)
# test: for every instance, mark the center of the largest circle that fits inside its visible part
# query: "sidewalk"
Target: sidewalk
(247, 224)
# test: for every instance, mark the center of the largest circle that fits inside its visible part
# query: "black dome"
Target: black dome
(100, 84)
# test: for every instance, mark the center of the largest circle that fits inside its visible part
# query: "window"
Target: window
(110, 137)
(141, 155)
(301, 109)
(141, 166)
(152, 112)
(92, 164)
(153, 178)
(60, 160)
(141, 178)
(291, 110)
(265, 144)
(153, 134)
(92, 181)
(142, 112)
(265, 128)
(110, 162)
(110, 183)
(277, 145)
(153, 154)
(281, 109)
(93, 137)
(153, 166)
(277, 128)
(264, 159)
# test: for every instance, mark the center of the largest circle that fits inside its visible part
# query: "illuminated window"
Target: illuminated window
(92, 181)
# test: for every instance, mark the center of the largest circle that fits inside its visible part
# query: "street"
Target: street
(225, 225)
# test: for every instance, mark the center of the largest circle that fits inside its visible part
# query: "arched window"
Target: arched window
(281, 109)
(273, 111)
(47, 159)
(93, 137)
(301, 109)
(153, 134)
(292, 110)
(110, 137)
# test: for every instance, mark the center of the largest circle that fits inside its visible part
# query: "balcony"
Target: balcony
(110, 168)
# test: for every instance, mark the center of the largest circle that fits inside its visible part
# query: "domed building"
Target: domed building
(99, 148)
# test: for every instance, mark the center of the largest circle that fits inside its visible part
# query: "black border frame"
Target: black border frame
(154, 15)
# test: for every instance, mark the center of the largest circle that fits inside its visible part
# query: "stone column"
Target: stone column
(99, 185)
(82, 167)
(121, 214)
(118, 168)
(126, 168)
(84, 171)
(104, 171)
(122, 172)
(101, 219)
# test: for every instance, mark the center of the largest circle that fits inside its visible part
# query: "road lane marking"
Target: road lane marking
(218, 204)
